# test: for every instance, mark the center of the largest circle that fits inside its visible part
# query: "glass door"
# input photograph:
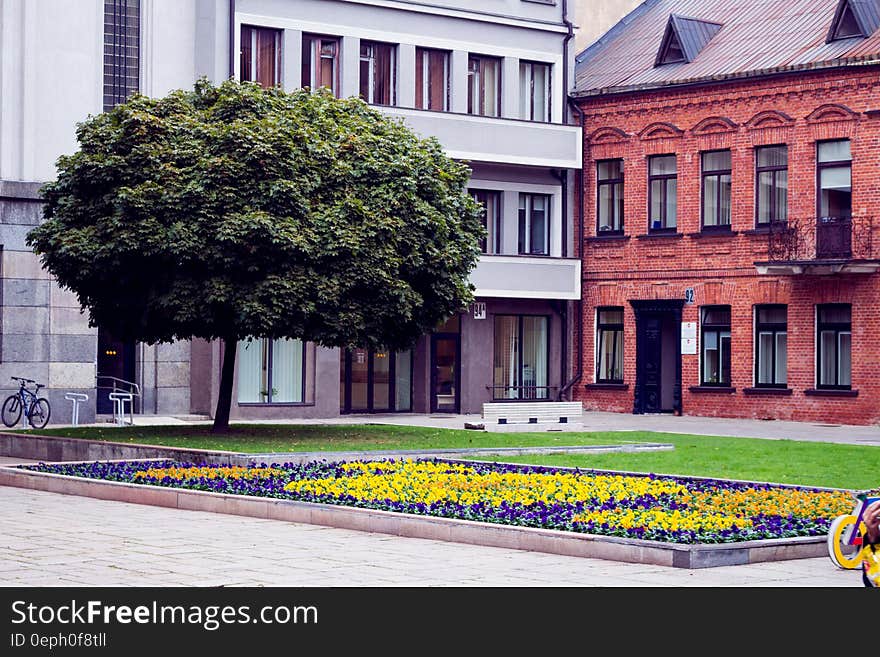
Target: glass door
(445, 359)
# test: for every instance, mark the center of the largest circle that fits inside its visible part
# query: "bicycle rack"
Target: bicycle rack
(119, 400)
(77, 398)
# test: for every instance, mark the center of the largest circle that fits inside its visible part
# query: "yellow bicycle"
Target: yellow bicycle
(846, 532)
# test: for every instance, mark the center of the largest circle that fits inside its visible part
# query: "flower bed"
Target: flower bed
(651, 507)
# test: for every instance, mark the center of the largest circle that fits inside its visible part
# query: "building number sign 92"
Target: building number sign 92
(689, 295)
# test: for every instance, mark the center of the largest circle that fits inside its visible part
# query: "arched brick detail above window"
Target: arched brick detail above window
(660, 130)
(714, 124)
(769, 119)
(607, 135)
(832, 112)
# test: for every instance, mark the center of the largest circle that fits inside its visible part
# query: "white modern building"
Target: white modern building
(488, 79)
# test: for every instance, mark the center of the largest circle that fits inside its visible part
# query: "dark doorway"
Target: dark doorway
(445, 368)
(658, 356)
(375, 381)
(116, 363)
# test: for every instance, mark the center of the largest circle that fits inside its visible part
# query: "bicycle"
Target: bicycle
(846, 531)
(36, 409)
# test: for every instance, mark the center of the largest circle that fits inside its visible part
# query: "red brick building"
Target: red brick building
(731, 210)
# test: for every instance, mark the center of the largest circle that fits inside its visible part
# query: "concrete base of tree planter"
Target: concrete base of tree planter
(413, 526)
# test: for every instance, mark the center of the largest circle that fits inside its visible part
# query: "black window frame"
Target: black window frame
(121, 55)
(476, 106)
(373, 61)
(519, 357)
(612, 183)
(245, 72)
(775, 329)
(719, 329)
(308, 41)
(524, 228)
(493, 243)
(423, 99)
(774, 170)
(614, 328)
(531, 65)
(838, 328)
(269, 345)
(821, 166)
(664, 202)
(346, 382)
(718, 174)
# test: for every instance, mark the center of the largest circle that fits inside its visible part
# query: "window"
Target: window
(491, 202)
(610, 196)
(609, 345)
(261, 55)
(375, 381)
(534, 224)
(716, 190)
(271, 371)
(432, 79)
(521, 357)
(121, 51)
(715, 328)
(771, 184)
(834, 340)
(534, 83)
(378, 84)
(835, 179)
(771, 346)
(663, 193)
(484, 85)
(320, 62)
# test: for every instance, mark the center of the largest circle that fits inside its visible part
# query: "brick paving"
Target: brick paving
(47, 539)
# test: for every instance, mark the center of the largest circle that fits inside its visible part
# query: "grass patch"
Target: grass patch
(753, 459)
(262, 438)
(780, 461)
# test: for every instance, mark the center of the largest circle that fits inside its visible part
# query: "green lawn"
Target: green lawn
(262, 438)
(780, 461)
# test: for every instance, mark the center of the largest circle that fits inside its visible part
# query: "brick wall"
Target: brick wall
(787, 109)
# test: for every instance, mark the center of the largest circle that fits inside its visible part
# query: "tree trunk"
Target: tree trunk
(224, 400)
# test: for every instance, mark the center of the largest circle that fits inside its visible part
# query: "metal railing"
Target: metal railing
(116, 385)
(825, 238)
(519, 393)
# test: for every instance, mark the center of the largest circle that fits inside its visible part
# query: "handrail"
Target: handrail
(134, 388)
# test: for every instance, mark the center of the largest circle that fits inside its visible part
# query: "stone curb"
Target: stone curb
(413, 526)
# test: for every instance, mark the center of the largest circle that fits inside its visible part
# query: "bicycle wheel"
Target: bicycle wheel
(843, 555)
(40, 413)
(11, 412)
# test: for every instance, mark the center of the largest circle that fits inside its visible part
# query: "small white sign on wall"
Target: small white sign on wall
(479, 310)
(688, 338)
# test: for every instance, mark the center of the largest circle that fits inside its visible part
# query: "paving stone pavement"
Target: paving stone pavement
(47, 539)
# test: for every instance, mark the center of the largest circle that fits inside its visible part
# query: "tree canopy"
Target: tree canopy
(233, 211)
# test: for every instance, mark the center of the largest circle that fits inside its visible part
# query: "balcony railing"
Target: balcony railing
(826, 238)
(823, 245)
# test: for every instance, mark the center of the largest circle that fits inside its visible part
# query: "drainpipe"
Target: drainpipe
(231, 39)
(579, 241)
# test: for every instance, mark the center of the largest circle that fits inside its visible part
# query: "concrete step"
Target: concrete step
(154, 420)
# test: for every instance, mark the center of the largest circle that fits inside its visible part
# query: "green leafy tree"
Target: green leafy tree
(231, 211)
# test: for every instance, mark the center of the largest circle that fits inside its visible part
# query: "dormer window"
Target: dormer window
(684, 39)
(854, 18)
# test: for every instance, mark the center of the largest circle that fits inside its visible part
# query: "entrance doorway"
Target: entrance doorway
(658, 356)
(116, 364)
(445, 368)
(375, 381)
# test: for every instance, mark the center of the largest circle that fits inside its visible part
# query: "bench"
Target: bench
(532, 416)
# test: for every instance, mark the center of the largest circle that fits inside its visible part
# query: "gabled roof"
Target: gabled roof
(863, 15)
(687, 35)
(757, 38)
